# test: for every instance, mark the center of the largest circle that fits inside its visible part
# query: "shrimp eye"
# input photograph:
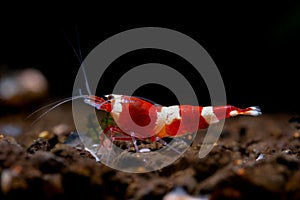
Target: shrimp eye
(109, 97)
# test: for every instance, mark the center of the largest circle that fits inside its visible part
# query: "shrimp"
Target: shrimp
(156, 122)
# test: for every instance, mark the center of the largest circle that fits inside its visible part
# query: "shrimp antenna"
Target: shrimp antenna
(78, 44)
(82, 67)
(53, 106)
(73, 48)
(79, 57)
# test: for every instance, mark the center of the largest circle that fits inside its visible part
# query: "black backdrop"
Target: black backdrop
(256, 52)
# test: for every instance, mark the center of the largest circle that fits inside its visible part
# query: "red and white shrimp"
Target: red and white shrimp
(139, 119)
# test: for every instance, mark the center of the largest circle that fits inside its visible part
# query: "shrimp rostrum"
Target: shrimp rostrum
(139, 119)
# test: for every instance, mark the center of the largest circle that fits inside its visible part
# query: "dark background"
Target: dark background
(256, 50)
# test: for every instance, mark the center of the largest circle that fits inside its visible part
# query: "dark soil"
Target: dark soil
(256, 157)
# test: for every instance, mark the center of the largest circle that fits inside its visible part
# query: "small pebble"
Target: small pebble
(238, 162)
(287, 151)
(179, 194)
(60, 129)
(11, 129)
(240, 171)
(296, 135)
(144, 150)
(260, 157)
(22, 86)
(6, 180)
(39, 144)
(141, 170)
(44, 134)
